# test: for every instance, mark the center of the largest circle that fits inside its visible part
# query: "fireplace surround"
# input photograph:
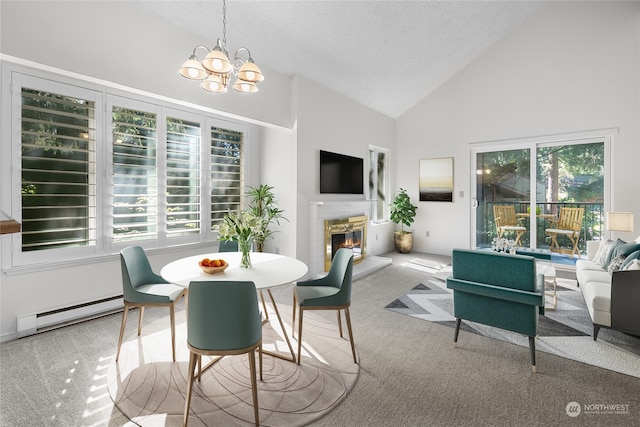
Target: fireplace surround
(350, 233)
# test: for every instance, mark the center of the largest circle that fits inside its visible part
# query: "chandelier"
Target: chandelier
(215, 70)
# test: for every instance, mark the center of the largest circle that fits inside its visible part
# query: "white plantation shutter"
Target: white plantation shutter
(183, 177)
(227, 170)
(96, 171)
(58, 171)
(135, 175)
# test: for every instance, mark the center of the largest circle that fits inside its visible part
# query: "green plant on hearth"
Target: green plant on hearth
(263, 204)
(403, 212)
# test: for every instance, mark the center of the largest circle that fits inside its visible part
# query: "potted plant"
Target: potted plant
(262, 203)
(404, 213)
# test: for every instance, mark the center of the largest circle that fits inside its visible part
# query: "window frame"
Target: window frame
(14, 77)
(373, 215)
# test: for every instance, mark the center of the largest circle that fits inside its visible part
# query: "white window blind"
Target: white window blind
(227, 170)
(135, 175)
(183, 177)
(58, 175)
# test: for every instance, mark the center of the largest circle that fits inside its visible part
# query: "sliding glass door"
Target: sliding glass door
(537, 179)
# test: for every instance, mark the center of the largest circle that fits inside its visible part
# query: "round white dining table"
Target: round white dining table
(267, 271)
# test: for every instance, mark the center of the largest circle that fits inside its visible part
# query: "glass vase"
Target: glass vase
(245, 246)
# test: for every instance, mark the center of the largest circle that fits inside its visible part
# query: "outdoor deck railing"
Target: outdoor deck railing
(592, 222)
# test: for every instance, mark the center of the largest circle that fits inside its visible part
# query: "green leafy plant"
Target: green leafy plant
(402, 211)
(262, 203)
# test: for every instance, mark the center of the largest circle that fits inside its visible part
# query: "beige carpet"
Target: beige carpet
(150, 390)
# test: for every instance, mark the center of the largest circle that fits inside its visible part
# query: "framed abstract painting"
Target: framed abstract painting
(436, 180)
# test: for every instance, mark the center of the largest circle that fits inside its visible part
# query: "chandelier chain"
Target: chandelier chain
(224, 22)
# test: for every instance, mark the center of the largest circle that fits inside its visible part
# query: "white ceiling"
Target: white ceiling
(387, 55)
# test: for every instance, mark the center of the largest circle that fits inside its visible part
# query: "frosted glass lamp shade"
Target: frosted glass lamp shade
(192, 69)
(245, 87)
(249, 72)
(215, 83)
(217, 62)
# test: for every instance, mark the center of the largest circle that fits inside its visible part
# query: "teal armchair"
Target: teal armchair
(498, 290)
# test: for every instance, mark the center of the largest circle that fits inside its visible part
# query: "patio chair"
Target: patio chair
(568, 224)
(505, 219)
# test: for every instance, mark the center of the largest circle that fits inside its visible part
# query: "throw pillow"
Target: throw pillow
(634, 265)
(603, 250)
(626, 249)
(630, 258)
(616, 263)
(612, 251)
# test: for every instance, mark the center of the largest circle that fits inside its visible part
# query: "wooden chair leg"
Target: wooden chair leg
(293, 314)
(192, 366)
(124, 322)
(300, 333)
(140, 320)
(264, 305)
(172, 316)
(353, 347)
(339, 323)
(254, 385)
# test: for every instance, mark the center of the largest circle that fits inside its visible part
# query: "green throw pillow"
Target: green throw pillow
(612, 253)
(626, 249)
(630, 258)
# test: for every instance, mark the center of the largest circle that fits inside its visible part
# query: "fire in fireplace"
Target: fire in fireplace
(348, 233)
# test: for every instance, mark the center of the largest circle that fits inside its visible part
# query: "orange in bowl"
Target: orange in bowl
(213, 266)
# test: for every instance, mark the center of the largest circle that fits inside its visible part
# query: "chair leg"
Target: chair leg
(260, 359)
(192, 366)
(264, 305)
(353, 347)
(596, 329)
(457, 330)
(300, 333)
(124, 322)
(254, 385)
(293, 315)
(140, 320)
(532, 350)
(340, 323)
(172, 316)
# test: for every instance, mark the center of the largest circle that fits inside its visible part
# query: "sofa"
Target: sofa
(498, 290)
(610, 282)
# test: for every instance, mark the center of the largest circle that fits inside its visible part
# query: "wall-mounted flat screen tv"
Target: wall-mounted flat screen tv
(341, 174)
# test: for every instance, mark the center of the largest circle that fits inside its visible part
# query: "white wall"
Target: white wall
(574, 67)
(332, 122)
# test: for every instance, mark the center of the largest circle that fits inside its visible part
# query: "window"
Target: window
(58, 176)
(78, 196)
(227, 171)
(378, 184)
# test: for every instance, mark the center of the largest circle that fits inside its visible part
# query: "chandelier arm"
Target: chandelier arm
(200, 46)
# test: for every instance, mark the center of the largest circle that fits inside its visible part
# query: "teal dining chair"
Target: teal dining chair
(223, 320)
(228, 246)
(143, 288)
(331, 292)
(232, 246)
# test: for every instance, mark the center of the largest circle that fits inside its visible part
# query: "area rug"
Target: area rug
(565, 332)
(150, 389)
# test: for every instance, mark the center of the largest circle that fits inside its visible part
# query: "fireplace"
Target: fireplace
(348, 233)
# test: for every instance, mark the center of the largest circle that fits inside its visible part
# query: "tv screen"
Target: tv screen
(341, 174)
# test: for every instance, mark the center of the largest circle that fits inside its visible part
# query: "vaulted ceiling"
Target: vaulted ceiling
(387, 55)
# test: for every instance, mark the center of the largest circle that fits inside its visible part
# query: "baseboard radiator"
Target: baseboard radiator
(30, 324)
